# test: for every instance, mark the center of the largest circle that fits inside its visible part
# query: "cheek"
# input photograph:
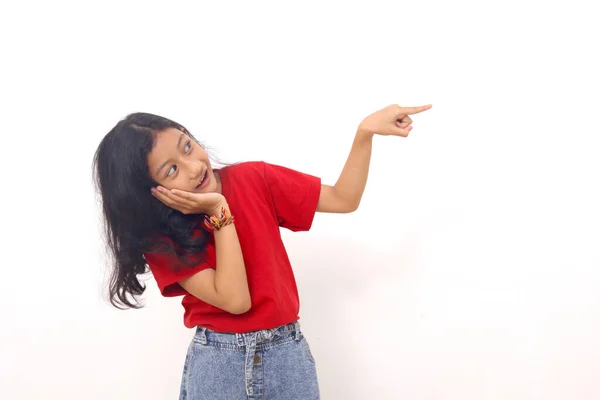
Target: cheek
(177, 183)
(201, 154)
(167, 183)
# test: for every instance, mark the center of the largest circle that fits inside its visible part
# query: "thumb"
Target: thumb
(402, 131)
(401, 124)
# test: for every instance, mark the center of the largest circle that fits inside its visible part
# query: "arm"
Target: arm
(345, 195)
(225, 287)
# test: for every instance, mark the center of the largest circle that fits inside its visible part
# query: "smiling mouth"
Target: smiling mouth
(202, 179)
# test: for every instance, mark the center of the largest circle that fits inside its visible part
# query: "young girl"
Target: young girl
(212, 236)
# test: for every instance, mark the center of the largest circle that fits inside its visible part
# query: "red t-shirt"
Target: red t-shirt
(262, 197)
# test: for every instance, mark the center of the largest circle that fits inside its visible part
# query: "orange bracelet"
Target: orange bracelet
(216, 222)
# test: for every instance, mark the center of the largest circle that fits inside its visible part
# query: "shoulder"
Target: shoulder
(269, 173)
(246, 167)
(247, 171)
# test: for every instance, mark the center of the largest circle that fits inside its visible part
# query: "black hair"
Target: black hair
(134, 221)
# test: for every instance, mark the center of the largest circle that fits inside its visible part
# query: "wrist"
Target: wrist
(218, 209)
(219, 218)
(364, 135)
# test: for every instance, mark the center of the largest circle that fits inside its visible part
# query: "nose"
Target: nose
(195, 169)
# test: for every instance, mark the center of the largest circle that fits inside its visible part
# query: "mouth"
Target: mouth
(203, 180)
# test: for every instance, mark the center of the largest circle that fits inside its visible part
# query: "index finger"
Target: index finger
(182, 193)
(169, 198)
(415, 110)
(182, 197)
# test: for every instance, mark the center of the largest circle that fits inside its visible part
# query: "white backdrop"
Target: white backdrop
(479, 283)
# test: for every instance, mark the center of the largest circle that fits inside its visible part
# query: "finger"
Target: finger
(404, 122)
(414, 110)
(160, 194)
(403, 131)
(166, 193)
(162, 198)
(179, 201)
(169, 199)
(182, 194)
(171, 204)
(184, 198)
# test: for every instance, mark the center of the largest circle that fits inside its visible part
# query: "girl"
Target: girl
(212, 236)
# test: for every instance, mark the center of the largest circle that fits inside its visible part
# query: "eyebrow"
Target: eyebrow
(166, 162)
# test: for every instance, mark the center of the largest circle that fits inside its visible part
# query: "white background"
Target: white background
(471, 270)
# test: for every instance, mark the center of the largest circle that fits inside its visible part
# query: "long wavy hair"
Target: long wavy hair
(134, 221)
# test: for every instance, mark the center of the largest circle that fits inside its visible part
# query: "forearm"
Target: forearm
(351, 184)
(230, 274)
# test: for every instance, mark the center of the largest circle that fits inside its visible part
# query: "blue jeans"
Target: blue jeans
(273, 364)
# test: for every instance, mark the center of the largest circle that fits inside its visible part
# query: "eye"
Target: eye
(188, 146)
(172, 170)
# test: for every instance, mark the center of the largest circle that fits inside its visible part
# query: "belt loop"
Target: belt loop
(269, 333)
(239, 338)
(202, 335)
(249, 364)
(297, 333)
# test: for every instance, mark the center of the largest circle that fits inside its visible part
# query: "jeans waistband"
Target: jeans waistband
(205, 335)
(249, 341)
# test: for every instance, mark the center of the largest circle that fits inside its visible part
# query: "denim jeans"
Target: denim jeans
(273, 364)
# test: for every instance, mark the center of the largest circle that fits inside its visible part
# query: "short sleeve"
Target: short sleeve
(295, 196)
(167, 274)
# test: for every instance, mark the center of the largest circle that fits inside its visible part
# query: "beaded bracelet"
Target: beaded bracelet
(216, 222)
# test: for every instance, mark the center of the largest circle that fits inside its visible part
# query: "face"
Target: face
(178, 162)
